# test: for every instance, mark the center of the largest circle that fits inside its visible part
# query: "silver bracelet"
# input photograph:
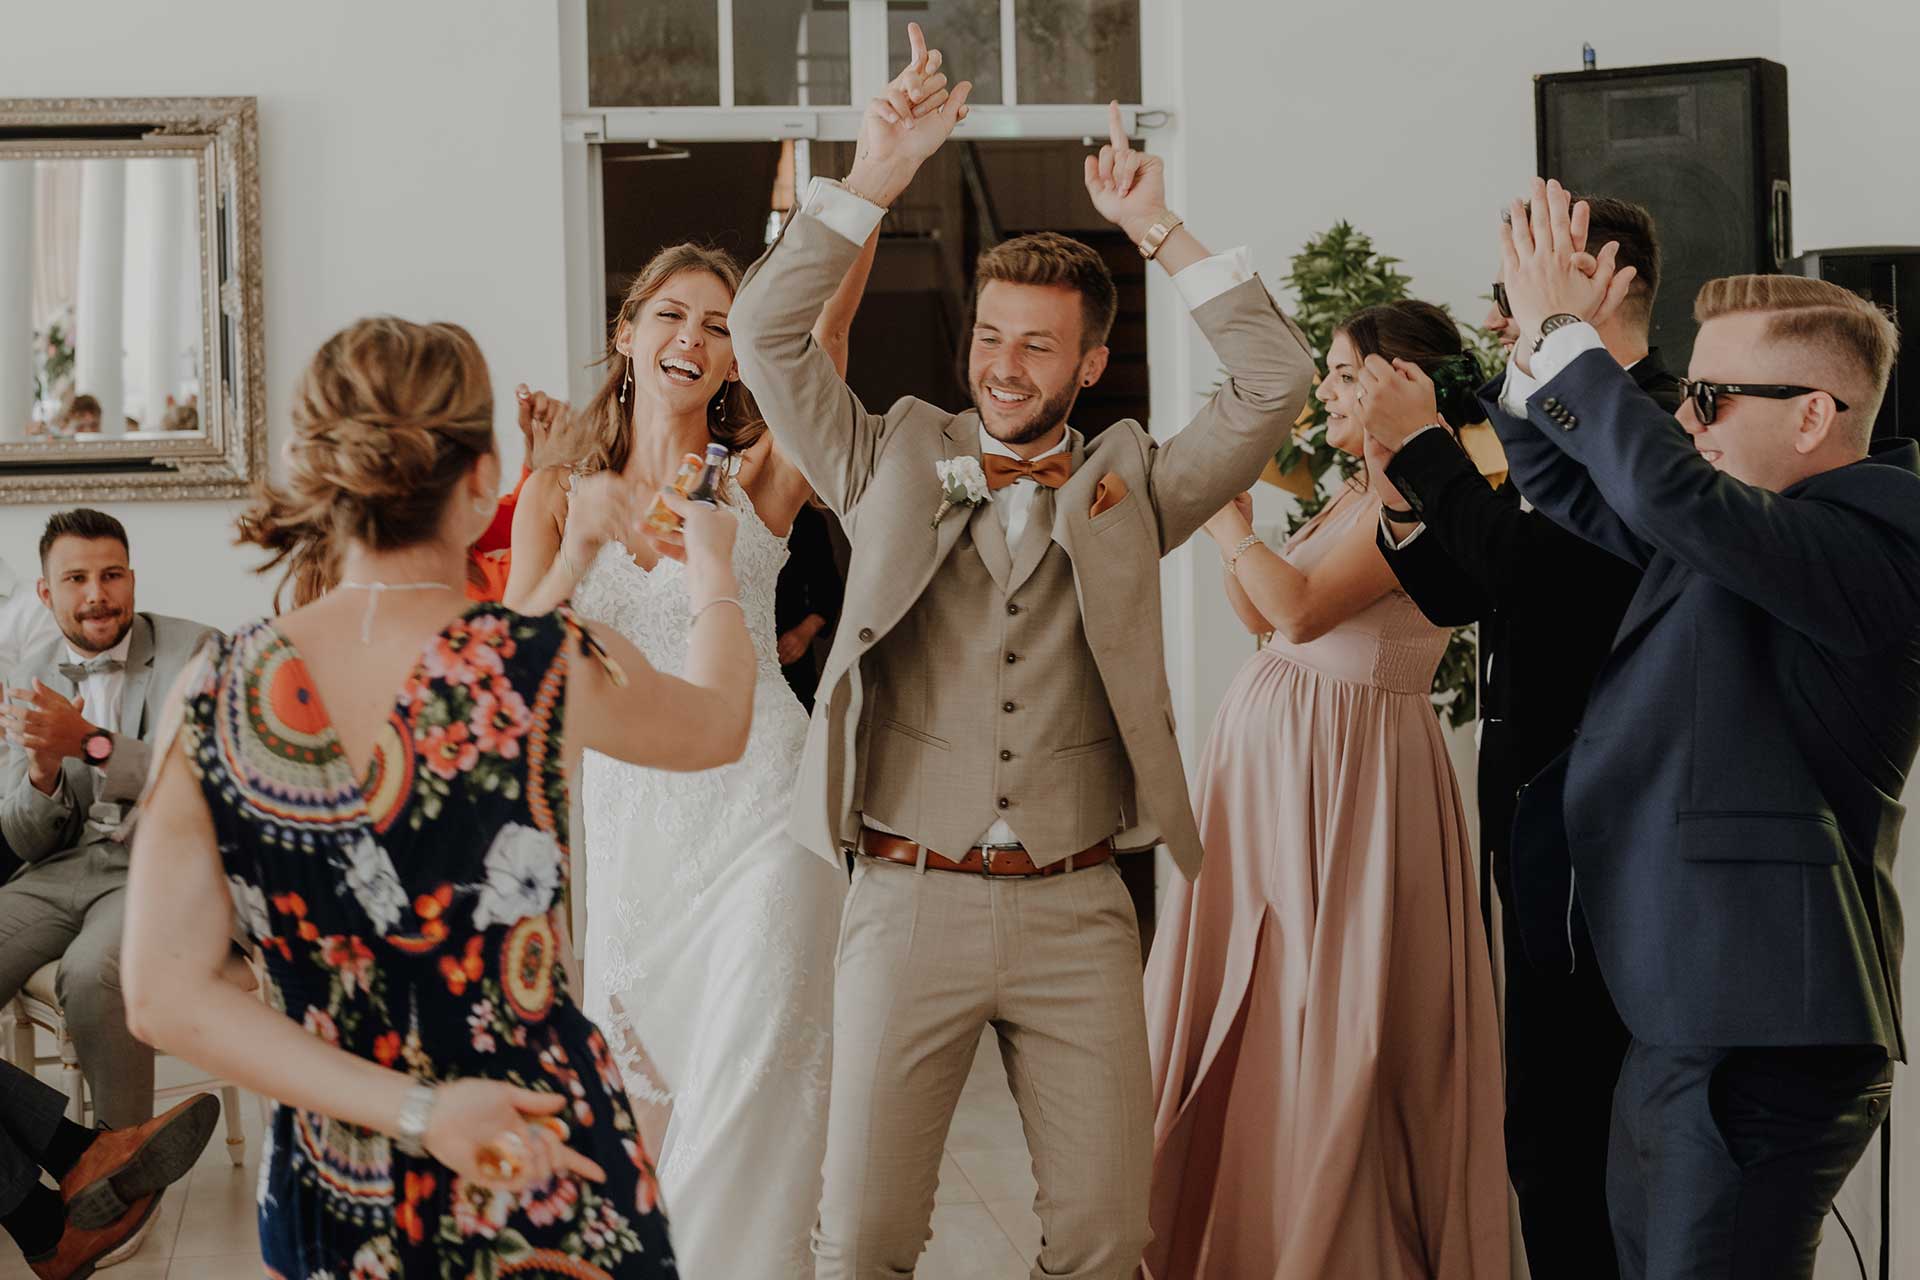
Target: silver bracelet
(709, 604)
(410, 1126)
(1241, 549)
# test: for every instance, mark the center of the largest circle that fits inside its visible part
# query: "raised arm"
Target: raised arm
(1839, 564)
(1269, 370)
(816, 419)
(833, 331)
(686, 723)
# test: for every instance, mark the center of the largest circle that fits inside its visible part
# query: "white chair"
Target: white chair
(38, 1005)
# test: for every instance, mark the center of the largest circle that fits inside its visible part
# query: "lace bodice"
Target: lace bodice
(692, 823)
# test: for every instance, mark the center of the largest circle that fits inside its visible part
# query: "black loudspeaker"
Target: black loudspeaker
(1703, 145)
(1889, 278)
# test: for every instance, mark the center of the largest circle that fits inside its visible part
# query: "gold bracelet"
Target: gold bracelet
(860, 195)
(1162, 226)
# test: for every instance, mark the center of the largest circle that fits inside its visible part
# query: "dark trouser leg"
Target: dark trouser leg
(1796, 1121)
(1564, 1046)
(30, 1113)
(1731, 1158)
(119, 1068)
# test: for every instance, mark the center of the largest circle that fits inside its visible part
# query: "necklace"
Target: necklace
(375, 589)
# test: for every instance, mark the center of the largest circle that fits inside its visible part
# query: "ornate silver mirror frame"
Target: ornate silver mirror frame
(224, 450)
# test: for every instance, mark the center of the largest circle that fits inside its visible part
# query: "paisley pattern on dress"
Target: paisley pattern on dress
(408, 917)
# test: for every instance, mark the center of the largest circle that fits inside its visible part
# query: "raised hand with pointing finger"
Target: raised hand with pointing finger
(1128, 187)
(908, 122)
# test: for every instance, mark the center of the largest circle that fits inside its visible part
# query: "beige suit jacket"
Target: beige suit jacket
(877, 472)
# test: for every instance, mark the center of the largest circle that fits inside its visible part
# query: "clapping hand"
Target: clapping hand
(601, 508)
(1128, 187)
(48, 728)
(907, 123)
(540, 415)
(1547, 269)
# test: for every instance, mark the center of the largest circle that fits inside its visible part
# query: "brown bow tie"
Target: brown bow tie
(1051, 471)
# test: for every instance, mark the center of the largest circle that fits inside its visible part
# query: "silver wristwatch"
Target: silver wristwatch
(1547, 326)
(410, 1127)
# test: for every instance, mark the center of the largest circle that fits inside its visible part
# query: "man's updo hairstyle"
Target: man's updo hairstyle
(389, 418)
(1422, 334)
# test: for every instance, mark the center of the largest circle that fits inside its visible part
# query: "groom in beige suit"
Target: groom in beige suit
(994, 717)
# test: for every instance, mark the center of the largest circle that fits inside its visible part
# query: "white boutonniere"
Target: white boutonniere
(962, 484)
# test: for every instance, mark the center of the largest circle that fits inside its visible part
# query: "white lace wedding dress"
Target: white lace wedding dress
(711, 936)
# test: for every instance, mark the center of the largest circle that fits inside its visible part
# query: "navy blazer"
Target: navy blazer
(1731, 801)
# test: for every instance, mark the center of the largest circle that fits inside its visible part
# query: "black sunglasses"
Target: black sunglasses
(1500, 300)
(1706, 395)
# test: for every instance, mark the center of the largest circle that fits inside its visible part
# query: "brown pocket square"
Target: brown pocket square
(1108, 494)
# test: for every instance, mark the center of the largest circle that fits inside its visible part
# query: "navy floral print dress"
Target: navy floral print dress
(409, 917)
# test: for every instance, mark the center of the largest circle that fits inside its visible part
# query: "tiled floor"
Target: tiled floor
(984, 1227)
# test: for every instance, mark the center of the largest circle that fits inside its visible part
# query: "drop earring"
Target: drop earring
(626, 381)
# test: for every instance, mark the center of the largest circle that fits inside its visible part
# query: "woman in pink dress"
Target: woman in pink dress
(1326, 1053)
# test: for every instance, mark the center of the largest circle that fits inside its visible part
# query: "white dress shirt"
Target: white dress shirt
(102, 689)
(1200, 282)
(1014, 503)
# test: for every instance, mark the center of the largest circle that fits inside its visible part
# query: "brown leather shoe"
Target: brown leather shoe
(125, 1165)
(80, 1250)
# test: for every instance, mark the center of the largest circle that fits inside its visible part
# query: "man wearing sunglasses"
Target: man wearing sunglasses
(1731, 800)
(1548, 603)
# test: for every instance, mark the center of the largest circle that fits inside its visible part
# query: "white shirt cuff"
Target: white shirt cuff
(1516, 389)
(1208, 278)
(1562, 347)
(845, 213)
(1399, 544)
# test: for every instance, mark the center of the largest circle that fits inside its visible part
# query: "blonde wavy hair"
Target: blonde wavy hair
(387, 420)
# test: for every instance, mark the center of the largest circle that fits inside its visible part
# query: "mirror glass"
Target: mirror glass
(102, 294)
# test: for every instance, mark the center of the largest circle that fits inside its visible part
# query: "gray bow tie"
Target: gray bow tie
(79, 671)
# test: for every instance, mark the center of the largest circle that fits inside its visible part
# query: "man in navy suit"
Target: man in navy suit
(1731, 800)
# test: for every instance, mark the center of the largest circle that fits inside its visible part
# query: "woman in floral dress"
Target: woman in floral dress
(375, 785)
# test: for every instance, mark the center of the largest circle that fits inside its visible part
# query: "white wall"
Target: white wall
(410, 164)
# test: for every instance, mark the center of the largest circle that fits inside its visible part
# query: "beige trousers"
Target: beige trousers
(928, 959)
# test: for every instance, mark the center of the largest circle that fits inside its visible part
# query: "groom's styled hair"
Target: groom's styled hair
(1048, 258)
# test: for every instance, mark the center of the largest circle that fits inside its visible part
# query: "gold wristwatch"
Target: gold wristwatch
(1157, 232)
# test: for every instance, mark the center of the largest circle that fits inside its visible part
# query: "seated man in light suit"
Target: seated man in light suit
(78, 710)
(1731, 801)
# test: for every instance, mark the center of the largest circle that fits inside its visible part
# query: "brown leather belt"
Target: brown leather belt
(1013, 861)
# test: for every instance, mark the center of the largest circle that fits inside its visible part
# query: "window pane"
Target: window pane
(1078, 50)
(967, 33)
(643, 54)
(790, 53)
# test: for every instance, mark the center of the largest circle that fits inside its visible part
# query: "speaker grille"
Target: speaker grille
(1681, 142)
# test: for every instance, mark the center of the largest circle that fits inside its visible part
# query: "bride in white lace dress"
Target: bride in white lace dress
(710, 933)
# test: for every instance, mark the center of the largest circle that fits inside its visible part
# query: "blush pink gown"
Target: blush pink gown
(1326, 1054)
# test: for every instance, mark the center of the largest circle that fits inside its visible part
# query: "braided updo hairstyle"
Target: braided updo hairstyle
(1422, 334)
(389, 417)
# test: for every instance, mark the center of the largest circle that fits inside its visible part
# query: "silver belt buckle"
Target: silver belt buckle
(988, 850)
